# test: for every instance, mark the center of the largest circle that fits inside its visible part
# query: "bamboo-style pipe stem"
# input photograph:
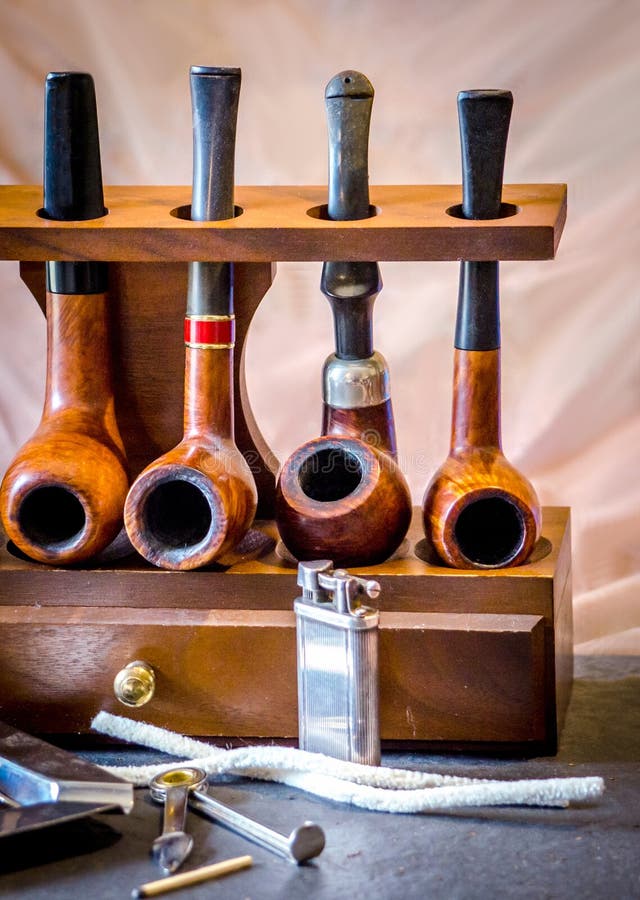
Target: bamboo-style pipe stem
(479, 511)
(197, 501)
(342, 496)
(63, 495)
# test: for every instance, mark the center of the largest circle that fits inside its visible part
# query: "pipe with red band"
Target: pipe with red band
(215, 332)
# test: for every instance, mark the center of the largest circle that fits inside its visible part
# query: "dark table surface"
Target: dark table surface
(587, 851)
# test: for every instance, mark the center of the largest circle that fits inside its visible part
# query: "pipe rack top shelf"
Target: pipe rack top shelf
(279, 223)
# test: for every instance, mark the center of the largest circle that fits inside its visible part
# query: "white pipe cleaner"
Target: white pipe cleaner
(371, 787)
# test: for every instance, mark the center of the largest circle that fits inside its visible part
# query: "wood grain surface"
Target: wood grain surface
(202, 628)
(146, 315)
(412, 224)
(205, 462)
(466, 657)
(62, 497)
(233, 673)
(477, 472)
(372, 424)
(362, 519)
(414, 579)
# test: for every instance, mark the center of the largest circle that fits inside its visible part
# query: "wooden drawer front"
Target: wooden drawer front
(444, 677)
(455, 677)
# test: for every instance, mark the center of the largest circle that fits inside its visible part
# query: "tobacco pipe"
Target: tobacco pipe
(198, 500)
(63, 495)
(342, 495)
(479, 511)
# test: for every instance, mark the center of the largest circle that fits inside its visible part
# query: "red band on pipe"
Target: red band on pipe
(209, 332)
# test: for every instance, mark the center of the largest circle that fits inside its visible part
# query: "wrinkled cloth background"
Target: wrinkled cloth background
(570, 327)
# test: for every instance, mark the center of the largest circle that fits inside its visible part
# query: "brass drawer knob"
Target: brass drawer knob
(134, 685)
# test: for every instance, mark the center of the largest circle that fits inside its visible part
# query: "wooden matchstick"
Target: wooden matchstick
(173, 882)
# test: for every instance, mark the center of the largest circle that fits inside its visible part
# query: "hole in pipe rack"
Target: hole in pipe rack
(506, 211)
(184, 212)
(425, 551)
(322, 212)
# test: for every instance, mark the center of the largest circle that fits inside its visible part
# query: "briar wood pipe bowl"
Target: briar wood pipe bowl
(480, 512)
(63, 495)
(343, 495)
(192, 504)
(197, 501)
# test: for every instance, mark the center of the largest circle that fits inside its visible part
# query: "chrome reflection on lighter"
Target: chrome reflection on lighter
(337, 636)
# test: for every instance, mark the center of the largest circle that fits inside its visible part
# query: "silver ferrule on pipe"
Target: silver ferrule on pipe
(355, 383)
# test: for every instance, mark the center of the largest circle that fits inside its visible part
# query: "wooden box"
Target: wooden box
(468, 659)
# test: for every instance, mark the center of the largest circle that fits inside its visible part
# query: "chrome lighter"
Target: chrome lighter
(337, 664)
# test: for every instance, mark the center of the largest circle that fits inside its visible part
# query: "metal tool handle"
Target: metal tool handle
(303, 843)
(172, 788)
(175, 809)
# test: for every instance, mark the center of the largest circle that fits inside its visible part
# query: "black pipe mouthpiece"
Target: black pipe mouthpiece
(484, 127)
(72, 172)
(350, 287)
(78, 277)
(215, 93)
(348, 102)
(478, 319)
(484, 118)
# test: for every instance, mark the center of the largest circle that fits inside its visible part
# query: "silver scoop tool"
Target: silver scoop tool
(304, 842)
(173, 846)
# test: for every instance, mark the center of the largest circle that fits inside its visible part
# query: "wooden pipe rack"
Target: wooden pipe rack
(468, 659)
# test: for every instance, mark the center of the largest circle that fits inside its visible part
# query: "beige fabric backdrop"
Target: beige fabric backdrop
(571, 415)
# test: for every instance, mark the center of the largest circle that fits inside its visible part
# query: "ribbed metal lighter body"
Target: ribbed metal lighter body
(337, 665)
